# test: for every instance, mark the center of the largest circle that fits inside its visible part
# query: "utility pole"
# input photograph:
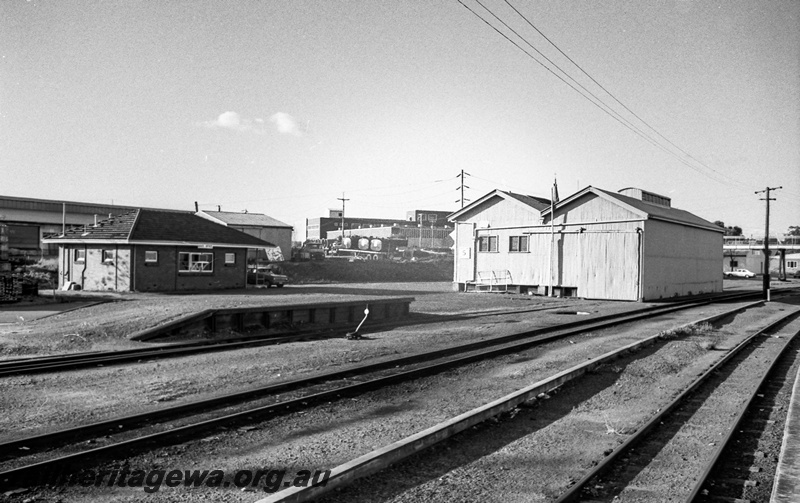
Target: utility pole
(462, 187)
(766, 239)
(342, 199)
(553, 201)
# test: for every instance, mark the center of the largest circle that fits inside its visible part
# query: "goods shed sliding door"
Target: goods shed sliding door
(601, 264)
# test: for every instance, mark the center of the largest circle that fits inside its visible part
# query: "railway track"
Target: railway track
(698, 416)
(379, 459)
(330, 390)
(73, 361)
(748, 465)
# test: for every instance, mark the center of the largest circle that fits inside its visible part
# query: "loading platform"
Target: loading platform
(261, 318)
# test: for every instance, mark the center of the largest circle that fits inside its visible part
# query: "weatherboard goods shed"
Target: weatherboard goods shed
(152, 250)
(626, 245)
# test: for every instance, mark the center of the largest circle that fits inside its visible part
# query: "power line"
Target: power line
(599, 103)
(687, 154)
(317, 194)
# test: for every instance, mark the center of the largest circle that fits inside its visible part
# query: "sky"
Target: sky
(284, 107)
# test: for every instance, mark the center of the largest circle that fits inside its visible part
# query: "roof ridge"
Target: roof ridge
(133, 225)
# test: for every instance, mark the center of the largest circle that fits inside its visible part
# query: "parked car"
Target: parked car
(739, 273)
(266, 276)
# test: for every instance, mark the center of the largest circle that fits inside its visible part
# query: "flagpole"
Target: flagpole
(552, 233)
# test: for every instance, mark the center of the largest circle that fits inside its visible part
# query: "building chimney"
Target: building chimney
(196, 208)
(219, 208)
(95, 219)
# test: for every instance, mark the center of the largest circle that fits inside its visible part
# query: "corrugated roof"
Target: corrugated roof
(539, 203)
(116, 227)
(663, 212)
(254, 219)
(145, 225)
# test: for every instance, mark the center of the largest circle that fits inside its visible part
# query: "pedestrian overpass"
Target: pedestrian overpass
(778, 246)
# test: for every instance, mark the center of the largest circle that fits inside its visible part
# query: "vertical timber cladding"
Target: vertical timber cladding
(600, 263)
(600, 254)
(680, 260)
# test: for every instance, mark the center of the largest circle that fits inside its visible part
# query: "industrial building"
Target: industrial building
(153, 250)
(626, 245)
(331, 226)
(257, 225)
(29, 219)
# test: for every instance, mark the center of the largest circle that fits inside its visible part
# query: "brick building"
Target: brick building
(154, 250)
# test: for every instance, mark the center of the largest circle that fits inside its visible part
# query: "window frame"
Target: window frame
(149, 261)
(518, 244)
(79, 256)
(196, 258)
(232, 256)
(107, 256)
(485, 244)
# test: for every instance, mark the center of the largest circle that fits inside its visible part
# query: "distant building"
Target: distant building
(255, 224)
(153, 250)
(627, 245)
(29, 219)
(429, 217)
(320, 227)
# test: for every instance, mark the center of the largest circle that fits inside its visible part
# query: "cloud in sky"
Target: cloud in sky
(234, 121)
(284, 124)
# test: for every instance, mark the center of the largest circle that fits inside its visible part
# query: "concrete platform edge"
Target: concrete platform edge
(786, 487)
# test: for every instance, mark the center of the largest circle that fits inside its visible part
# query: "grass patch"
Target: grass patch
(708, 334)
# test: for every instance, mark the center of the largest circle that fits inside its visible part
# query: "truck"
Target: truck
(370, 248)
(311, 249)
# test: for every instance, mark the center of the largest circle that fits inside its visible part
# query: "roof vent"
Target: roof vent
(647, 197)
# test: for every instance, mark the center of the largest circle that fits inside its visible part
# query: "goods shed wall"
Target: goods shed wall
(680, 260)
(599, 262)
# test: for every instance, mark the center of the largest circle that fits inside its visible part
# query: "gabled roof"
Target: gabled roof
(249, 219)
(536, 203)
(644, 209)
(157, 226)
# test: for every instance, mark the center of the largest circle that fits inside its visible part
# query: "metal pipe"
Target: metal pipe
(565, 224)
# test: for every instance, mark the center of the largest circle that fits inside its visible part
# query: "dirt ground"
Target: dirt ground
(538, 445)
(35, 404)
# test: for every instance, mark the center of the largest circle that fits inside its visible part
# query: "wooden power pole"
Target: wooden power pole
(342, 199)
(765, 283)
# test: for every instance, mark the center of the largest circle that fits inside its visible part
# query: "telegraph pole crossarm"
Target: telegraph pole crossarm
(766, 198)
(342, 199)
(462, 187)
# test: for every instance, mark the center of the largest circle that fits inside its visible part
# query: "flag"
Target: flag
(554, 192)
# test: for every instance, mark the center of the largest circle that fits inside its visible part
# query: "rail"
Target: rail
(507, 345)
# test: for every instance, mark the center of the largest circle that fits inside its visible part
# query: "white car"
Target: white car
(739, 273)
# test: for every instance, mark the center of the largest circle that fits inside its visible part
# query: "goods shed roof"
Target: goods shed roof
(146, 226)
(537, 203)
(245, 219)
(645, 209)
